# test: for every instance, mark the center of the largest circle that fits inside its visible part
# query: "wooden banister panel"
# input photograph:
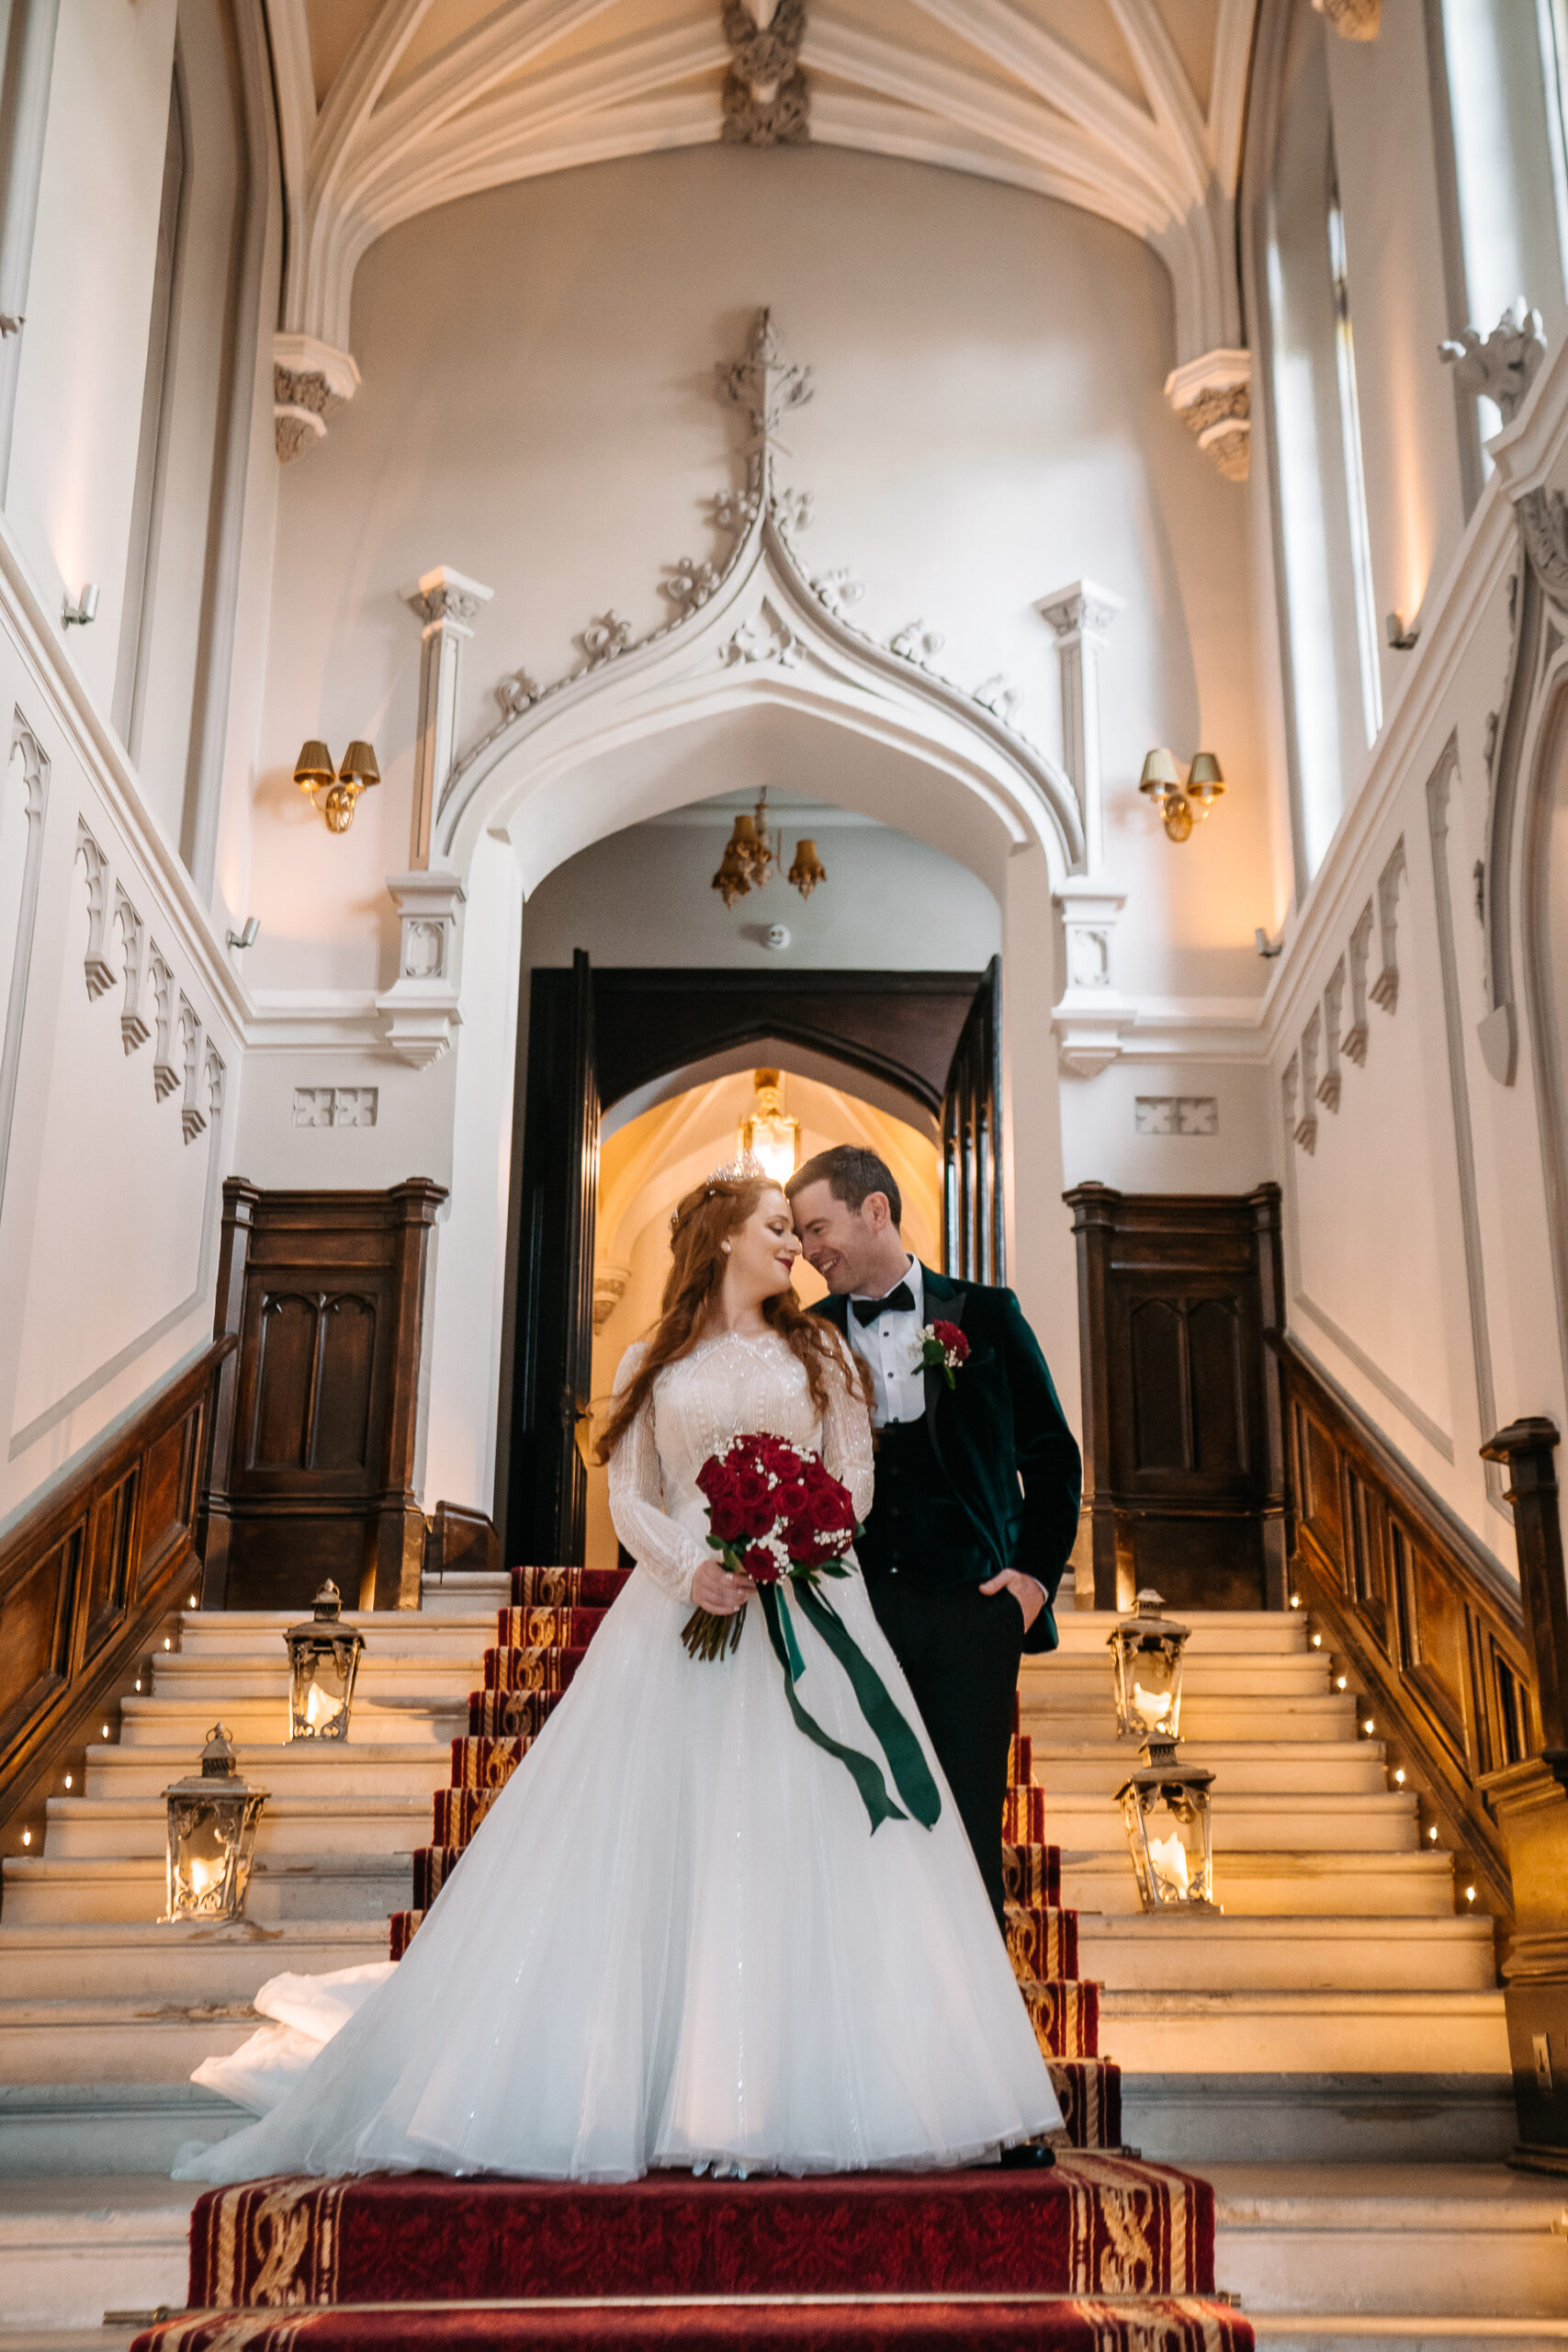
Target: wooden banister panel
(1427, 1623)
(87, 1575)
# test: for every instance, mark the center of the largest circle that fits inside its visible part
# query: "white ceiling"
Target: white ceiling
(1130, 109)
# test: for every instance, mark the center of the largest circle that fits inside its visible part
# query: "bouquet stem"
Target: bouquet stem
(707, 1635)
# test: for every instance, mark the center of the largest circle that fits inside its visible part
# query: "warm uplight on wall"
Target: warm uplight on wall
(314, 773)
(1180, 805)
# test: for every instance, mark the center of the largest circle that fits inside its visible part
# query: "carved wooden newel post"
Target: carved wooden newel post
(1531, 1802)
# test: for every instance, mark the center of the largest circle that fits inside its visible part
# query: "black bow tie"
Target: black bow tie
(899, 1300)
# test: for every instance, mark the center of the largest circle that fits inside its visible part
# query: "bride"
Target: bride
(675, 1938)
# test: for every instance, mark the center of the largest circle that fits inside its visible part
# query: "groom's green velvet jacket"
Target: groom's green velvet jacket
(1000, 1437)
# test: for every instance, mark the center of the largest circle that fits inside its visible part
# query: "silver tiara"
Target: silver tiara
(734, 1171)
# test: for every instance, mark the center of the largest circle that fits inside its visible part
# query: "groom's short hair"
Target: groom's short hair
(850, 1174)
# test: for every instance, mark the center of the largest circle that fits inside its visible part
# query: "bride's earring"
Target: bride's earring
(725, 1247)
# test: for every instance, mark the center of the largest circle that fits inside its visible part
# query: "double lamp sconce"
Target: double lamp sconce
(1182, 806)
(314, 773)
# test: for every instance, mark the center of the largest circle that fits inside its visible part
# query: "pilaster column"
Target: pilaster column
(447, 601)
(1091, 1015)
(1081, 615)
(421, 1006)
(23, 118)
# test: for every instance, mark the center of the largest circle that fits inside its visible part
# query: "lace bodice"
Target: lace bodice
(729, 1386)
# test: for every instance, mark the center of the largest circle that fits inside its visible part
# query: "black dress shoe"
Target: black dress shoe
(1029, 2155)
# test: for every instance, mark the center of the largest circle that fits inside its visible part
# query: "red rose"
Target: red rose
(760, 1564)
(780, 1459)
(831, 1511)
(952, 1341)
(727, 1518)
(750, 1486)
(759, 1516)
(791, 1498)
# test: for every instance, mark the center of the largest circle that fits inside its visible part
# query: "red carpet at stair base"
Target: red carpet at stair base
(1102, 2253)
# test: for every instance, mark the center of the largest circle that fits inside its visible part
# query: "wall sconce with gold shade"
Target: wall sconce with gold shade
(750, 859)
(314, 773)
(1181, 806)
(769, 1135)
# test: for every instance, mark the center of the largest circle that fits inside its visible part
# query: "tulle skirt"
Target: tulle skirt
(674, 1940)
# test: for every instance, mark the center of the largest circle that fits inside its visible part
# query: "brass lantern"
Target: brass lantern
(770, 1134)
(1146, 1653)
(212, 1836)
(323, 1659)
(1165, 1808)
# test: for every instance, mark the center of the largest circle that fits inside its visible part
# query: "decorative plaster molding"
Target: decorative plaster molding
(1543, 525)
(1385, 988)
(1290, 1078)
(215, 1077)
(1329, 1085)
(1500, 367)
(165, 1077)
(192, 1117)
(96, 969)
(609, 1289)
(133, 1029)
(1352, 19)
(1306, 1126)
(1213, 396)
(420, 1009)
(1176, 1114)
(767, 97)
(336, 1106)
(309, 381)
(1081, 616)
(446, 603)
(754, 604)
(1354, 1042)
(1091, 1018)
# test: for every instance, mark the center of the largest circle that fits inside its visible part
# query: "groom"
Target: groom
(976, 1501)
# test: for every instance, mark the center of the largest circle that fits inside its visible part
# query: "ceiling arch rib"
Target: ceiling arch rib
(411, 120)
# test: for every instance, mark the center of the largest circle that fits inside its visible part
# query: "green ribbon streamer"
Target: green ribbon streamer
(911, 1774)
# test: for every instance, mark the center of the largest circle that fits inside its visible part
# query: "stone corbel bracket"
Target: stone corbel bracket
(1091, 1017)
(1213, 396)
(309, 380)
(420, 1009)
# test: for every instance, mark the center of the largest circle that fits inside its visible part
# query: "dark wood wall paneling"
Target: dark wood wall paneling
(88, 1578)
(1423, 1620)
(1183, 1453)
(314, 1456)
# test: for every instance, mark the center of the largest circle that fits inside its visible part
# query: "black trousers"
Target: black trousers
(960, 1649)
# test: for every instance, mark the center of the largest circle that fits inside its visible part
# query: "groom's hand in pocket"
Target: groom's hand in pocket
(1029, 1596)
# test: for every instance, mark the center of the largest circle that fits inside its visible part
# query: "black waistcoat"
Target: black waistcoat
(918, 1527)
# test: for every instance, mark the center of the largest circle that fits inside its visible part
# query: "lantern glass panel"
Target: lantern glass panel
(323, 1660)
(1167, 1832)
(1146, 1652)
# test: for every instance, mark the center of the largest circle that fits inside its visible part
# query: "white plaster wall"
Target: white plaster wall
(85, 346)
(987, 426)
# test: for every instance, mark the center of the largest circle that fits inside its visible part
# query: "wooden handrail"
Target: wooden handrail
(1425, 1620)
(88, 1575)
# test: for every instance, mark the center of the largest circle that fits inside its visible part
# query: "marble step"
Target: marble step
(1077, 1715)
(465, 1592)
(178, 1960)
(1215, 1632)
(1458, 2241)
(1426, 2118)
(79, 1827)
(1198, 1953)
(73, 2249)
(1260, 1674)
(1307, 1768)
(1282, 1883)
(256, 1635)
(154, 2040)
(256, 1720)
(213, 1675)
(56, 2130)
(351, 1768)
(106, 1888)
(1284, 2032)
(1381, 1820)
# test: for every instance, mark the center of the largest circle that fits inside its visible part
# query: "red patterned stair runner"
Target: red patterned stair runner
(540, 1642)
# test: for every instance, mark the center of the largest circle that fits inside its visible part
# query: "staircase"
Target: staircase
(1330, 2053)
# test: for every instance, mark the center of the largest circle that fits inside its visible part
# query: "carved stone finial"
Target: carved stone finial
(1352, 19)
(767, 98)
(1499, 366)
(1213, 396)
(309, 381)
(762, 384)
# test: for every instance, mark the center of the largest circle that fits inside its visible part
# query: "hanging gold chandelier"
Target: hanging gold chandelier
(769, 1134)
(750, 859)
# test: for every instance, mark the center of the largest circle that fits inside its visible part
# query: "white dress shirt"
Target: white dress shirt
(890, 1350)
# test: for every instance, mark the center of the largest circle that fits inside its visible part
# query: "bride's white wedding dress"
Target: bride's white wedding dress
(674, 1939)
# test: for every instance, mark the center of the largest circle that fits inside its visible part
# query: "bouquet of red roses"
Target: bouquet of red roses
(774, 1512)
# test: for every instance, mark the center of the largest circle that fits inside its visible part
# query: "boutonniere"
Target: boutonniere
(942, 1349)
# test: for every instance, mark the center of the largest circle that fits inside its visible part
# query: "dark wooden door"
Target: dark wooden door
(1183, 1438)
(972, 1140)
(547, 1499)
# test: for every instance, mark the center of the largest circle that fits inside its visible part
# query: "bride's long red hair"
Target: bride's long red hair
(704, 1221)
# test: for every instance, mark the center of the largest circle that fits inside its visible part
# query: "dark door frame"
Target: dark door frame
(642, 1022)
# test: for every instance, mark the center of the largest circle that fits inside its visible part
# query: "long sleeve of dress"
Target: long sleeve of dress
(846, 1439)
(663, 1550)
